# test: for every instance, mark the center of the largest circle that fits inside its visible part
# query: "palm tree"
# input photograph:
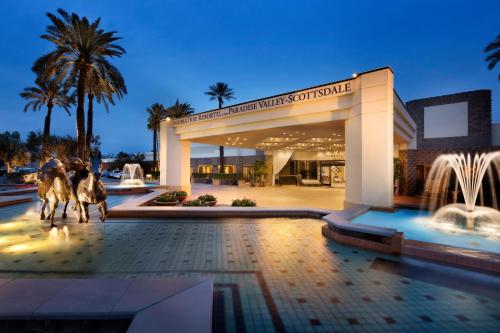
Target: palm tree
(81, 46)
(156, 113)
(220, 92)
(101, 88)
(47, 93)
(494, 56)
(179, 110)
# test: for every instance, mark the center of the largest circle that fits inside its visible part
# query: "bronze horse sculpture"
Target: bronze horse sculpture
(83, 187)
(54, 186)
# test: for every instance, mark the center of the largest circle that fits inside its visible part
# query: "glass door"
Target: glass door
(325, 175)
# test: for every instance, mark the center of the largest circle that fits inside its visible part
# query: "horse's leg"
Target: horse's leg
(103, 210)
(64, 215)
(81, 211)
(53, 207)
(86, 207)
(42, 214)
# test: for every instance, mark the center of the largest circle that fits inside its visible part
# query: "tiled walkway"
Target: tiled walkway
(278, 196)
(270, 274)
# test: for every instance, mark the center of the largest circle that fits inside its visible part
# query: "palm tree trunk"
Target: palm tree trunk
(90, 120)
(46, 131)
(80, 113)
(221, 148)
(154, 148)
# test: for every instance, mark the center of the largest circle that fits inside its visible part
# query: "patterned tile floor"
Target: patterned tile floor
(271, 275)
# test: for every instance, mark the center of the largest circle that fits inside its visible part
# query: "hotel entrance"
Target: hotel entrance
(305, 136)
(333, 173)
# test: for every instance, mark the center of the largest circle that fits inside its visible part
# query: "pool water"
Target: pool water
(416, 225)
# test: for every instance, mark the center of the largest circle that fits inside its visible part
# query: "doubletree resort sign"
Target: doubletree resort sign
(329, 90)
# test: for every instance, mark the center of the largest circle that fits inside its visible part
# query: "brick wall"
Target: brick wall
(478, 139)
(411, 158)
(479, 120)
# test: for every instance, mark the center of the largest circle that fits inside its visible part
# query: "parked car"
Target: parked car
(115, 174)
(25, 175)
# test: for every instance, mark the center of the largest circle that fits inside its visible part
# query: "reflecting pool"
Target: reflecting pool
(418, 225)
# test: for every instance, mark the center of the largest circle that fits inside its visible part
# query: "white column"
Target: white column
(175, 163)
(369, 142)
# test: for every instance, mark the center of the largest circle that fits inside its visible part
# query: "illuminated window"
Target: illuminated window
(205, 169)
(228, 168)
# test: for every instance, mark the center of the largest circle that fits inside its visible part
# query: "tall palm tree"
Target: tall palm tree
(179, 110)
(220, 92)
(81, 46)
(156, 112)
(494, 56)
(101, 88)
(47, 93)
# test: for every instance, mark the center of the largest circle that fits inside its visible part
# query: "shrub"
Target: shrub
(195, 203)
(180, 193)
(167, 197)
(201, 175)
(229, 176)
(244, 203)
(207, 197)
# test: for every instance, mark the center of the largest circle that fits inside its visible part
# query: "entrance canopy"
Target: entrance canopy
(362, 117)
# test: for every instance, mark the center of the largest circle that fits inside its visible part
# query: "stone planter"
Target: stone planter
(182, 198)
(211, 203)
(160, 203)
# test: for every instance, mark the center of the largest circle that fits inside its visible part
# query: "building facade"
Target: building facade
(455, 123)
(343, 131)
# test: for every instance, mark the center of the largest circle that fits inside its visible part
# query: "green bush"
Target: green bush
(201, 175)
(195, 203)
(180, 193)
(229, 176)
(207, 197)
(244, 203)
(167, 197)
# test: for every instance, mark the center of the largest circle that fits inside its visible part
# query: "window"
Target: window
(205, 169)
(248, 171)
(228, 168)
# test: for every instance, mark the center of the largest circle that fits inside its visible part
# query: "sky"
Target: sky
(176, 49)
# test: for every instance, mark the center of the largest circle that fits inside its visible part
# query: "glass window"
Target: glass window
(205, 169)
(248, 171)
(228, 168)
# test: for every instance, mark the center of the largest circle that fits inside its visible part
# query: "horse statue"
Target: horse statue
(54, 186)
(82, 186)
(91, 191)
(87, 188)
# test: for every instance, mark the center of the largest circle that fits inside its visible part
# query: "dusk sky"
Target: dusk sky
(260, 48)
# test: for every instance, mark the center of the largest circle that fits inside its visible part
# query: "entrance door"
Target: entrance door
(326, 178)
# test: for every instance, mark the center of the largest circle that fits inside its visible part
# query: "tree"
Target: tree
(12, 150)
(494, 56)
(33, 144)
(156, 112)
(101, 88)
(81, 46)
(220, 92)
(47, 93)
(179, 110)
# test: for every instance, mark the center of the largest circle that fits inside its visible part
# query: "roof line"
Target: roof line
(291, 92)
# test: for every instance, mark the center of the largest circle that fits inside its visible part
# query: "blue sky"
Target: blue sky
(261, 48)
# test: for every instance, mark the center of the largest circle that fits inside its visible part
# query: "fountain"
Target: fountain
(132, 181)
(132, 175)
(465, 174)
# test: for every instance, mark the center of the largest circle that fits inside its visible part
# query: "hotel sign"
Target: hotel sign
(331, 90)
